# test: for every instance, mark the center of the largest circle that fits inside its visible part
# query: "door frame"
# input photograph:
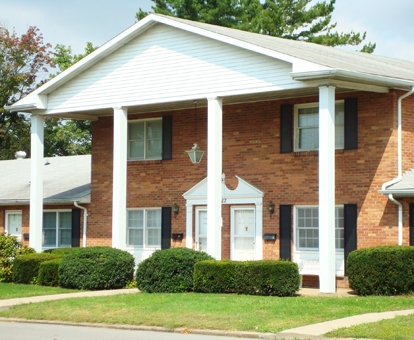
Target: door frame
(13, 212)
(197, 225)
(233, 209)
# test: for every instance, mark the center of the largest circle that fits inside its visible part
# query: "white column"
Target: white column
(119, 217)
(189, 226)
(259, 231)
(327, 189)
(214, 172)
(36, 184)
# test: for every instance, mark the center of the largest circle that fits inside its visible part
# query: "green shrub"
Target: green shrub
(26, 267)
(169, 270)
(215, 276)
(267, 277)
(274, 278)
(383, 270)
(48, 272)
(9, 249)
(95, 268)
(60, 251)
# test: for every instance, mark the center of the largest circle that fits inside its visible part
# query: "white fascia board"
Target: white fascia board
(352, 76)
(228, 40)
(398, 193)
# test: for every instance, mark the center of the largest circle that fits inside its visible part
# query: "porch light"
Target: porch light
(195, 154)
(271, 207)
(175, 209)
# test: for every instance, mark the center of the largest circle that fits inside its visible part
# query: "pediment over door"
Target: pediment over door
(245, 193)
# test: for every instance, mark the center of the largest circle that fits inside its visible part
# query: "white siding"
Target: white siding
(167, 64)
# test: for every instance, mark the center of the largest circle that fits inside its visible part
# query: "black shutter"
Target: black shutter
(165, 227)
(76, 219)
(350, 229)
(167, 137)
(286, 128)
(411, 224)
(351, 123)
(285, 231)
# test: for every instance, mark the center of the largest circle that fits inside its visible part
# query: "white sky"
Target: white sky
(388, 23)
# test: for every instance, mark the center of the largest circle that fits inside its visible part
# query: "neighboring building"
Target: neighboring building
(260, 104)
(66, 187)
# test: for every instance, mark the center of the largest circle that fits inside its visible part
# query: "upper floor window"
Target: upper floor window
(307, 228)
(145, 139)
(57, 229)
(307, 126)
(144, 228)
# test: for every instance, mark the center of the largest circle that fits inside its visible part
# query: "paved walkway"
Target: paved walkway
(314, 331)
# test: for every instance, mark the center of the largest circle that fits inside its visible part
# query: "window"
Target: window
(144, 228)
(145, 139)
(57, 229)
(307, 228)
(307, 127)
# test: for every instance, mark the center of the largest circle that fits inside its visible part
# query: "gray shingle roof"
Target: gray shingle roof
(323, 55)
(66, 179)
(405, 187)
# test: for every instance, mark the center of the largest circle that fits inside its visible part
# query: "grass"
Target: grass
(208, 311)
(399, 328)
(12, 290)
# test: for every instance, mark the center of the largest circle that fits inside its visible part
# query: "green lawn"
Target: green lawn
(12, 290)
(400, 328)
(208, 311)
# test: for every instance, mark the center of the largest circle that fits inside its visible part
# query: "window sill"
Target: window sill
(313, 153)
(144, 161)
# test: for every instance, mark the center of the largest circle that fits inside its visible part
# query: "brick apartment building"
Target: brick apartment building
(269, 185)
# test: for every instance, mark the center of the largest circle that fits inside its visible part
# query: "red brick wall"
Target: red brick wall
(251, 151)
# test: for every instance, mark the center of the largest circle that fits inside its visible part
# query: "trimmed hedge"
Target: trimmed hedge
(49, 272)
(169, 270)
(26, 267)
(383, 270)
(215, 276)
(95, 268)
(60, 251)
(266, 277)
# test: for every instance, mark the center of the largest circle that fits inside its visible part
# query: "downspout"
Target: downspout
(85, 222)
(399, 165)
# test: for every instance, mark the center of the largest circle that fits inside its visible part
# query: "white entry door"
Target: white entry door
(243, 233)
(201, 229)
(14, 224)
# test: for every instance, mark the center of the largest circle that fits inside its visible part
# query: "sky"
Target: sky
(74, 23)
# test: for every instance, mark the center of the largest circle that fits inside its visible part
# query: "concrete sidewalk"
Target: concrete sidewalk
(314, 331)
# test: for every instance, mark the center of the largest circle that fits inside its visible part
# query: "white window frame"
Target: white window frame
(57, 245)
(197, 226)
(296, 229)
(296, 125)
(145, 121)
(144, 229)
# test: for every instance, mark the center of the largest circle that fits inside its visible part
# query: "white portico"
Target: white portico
(164, 64)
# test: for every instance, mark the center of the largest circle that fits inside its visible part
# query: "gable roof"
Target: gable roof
(309, 61)
(66, 179)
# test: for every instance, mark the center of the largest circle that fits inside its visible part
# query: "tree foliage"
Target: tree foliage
(24, 61)
(290, 19)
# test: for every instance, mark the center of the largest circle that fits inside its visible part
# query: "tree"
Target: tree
(290, 19)
(23, 60)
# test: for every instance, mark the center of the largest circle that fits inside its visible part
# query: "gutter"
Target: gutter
(399, 167)
(85, 222)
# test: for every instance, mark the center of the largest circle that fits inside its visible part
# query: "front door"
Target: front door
(14, 224)
(201, 229)
(243, 233)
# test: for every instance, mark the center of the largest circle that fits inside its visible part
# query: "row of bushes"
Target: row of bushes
(90, 268)
(184, 270)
